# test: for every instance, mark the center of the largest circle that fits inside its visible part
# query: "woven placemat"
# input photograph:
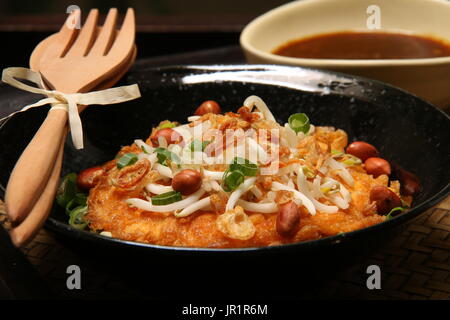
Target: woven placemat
(415, 264)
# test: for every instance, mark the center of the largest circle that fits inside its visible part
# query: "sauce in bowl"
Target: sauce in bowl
(365, 45)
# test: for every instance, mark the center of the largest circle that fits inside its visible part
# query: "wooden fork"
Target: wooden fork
(77, 62)
(33, 222)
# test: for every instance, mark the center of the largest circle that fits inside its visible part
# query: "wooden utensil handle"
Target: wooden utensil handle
(35, 219)
(33, 169)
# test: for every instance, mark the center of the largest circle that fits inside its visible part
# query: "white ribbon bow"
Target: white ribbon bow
(66, 101)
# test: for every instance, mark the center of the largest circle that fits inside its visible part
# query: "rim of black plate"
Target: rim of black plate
(60, 227)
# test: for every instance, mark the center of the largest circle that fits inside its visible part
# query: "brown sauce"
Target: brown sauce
(365, 45)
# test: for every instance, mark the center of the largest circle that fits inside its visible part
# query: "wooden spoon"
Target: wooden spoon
(71, 64)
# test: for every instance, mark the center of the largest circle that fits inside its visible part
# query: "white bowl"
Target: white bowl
(428, 78)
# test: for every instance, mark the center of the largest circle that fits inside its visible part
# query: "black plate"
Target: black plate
(404, 128)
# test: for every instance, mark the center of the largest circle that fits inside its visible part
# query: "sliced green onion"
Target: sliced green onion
(67, 189)
(299, 122)
(80, 199)
(232, 180)
(308, 172)
(167, 124)
(234, 176)
(248, 168)
(166, 198)
(394, 210)
(127, 160)
(70, 206)
(144, 150)
(76, 219)
(164, 155)
(198, 145)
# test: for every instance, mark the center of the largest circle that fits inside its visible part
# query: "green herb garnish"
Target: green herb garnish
(232, 180)
(248, 168)
(198, 145)
(166, 124)
(76, 219)
(67, 189)
(80, 199)
(299, 122)
(164, 155)
(234, 176)
(166, 198)
(74, 202)
(127, 160)
(389, 215)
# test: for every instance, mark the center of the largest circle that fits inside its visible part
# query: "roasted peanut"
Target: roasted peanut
(171, 136)
(362, 150)
(288, 219)
(385, 199)
(88, 178)
(409, 182)
(187, 181)
(209, 106)
(377, 166)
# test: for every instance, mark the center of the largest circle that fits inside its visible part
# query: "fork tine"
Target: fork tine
(106, 35)
(86, 37)
(125, 39)
(66, 35)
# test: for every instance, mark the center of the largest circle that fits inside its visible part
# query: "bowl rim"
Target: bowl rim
(252, 26)
(59, 227)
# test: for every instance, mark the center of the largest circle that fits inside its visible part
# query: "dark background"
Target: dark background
(163, 26)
